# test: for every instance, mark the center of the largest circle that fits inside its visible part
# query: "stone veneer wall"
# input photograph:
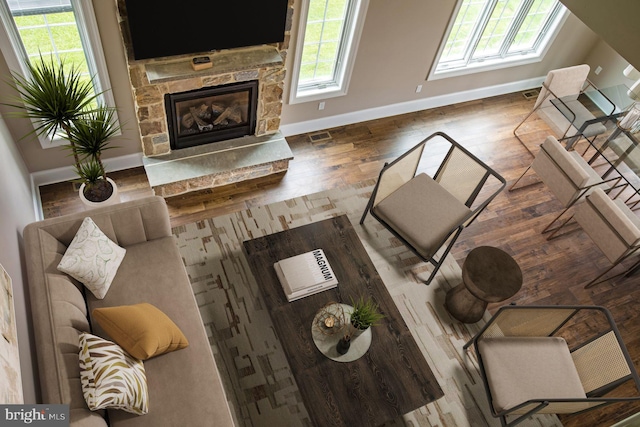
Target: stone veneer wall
(238, 66)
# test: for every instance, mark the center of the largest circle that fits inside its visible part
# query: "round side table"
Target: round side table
(488, 275)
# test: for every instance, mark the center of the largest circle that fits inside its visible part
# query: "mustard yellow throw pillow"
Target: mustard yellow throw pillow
(141, 329)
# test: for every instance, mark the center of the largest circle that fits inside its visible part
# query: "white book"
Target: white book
(305, 274)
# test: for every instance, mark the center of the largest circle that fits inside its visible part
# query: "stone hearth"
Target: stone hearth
(213, 165)
(219, 163)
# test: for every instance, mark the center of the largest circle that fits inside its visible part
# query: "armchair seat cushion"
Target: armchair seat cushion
(519, 369)
(423, 213)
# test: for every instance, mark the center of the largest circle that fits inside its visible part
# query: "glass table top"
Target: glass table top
(607, 102)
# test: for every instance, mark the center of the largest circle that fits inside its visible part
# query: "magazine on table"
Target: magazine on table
(305, 274)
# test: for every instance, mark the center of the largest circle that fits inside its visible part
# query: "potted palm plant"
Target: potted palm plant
(60, 102)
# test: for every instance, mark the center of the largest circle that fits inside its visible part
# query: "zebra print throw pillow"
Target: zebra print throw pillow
(110, 377)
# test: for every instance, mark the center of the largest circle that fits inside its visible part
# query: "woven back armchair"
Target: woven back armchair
(552, 360)
(429, 194)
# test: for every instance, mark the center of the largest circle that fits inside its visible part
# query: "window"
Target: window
(325, 51)
(65, 29)
(491, 32)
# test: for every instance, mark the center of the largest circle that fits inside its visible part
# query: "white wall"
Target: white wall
(399, 44)
(612, 64)
(16, 211)
(616, 22)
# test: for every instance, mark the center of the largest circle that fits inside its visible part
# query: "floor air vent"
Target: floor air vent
(530, 94)
(320, 136)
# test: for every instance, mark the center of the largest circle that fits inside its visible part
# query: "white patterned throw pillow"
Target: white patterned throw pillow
(110, 377)
(92, 258)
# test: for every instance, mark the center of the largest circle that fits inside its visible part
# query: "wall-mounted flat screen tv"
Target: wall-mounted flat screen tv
(168, 28)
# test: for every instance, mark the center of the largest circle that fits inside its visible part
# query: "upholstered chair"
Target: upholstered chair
(427, 212)
(613, 227)
(542, 360)
(565, 118)
(566, 174)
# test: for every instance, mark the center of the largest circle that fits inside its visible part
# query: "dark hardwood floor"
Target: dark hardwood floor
(554, 271)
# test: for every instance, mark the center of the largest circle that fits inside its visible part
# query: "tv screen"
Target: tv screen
(163, 28)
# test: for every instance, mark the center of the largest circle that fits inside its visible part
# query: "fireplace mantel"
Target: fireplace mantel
(225, 61)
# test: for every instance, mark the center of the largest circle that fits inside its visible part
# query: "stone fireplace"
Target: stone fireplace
(207, 115)
(208, 160)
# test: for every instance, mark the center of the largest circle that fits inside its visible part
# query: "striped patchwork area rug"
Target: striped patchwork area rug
(258, 381)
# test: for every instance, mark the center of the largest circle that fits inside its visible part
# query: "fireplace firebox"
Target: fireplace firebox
(211, 114)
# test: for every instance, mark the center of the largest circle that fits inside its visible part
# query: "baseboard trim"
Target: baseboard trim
(37, 201)
(67, 173)
(408, 107)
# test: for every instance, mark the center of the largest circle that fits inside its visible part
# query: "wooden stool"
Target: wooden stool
(488, 275)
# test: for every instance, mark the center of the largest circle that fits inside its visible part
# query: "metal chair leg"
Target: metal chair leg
(521, 176)
(548, 228)
(437, 264)
(595, 281)
(555, 231)
(518, 137)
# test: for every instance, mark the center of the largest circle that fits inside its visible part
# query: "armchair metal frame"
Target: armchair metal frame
(601, 358)
(460, 173)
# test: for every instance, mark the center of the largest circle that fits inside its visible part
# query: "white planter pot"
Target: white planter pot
(115, 197)
(356, 332)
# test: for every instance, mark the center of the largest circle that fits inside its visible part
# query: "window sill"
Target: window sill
(485, 66)
(317, 94)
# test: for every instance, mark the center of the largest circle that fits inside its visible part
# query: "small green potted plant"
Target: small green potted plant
(59, 101)
(365, 313)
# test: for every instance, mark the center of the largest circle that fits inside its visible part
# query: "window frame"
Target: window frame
(16, 56)
(511, 60)
(344, 67)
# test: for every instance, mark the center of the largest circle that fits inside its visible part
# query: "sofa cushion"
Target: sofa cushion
(154, 272)
(92, 258)
(141, 329)
(110, 377)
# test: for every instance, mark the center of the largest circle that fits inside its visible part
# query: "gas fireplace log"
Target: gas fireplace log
(202, 125)
(187, 120)
(203, 112)
(217, 109)
(233, 113)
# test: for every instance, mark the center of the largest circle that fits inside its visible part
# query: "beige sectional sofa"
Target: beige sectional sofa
(185, 388)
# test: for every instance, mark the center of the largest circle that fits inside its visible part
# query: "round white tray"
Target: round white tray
(327, 343)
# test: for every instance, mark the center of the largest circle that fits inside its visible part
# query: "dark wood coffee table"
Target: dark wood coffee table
(390, 380)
